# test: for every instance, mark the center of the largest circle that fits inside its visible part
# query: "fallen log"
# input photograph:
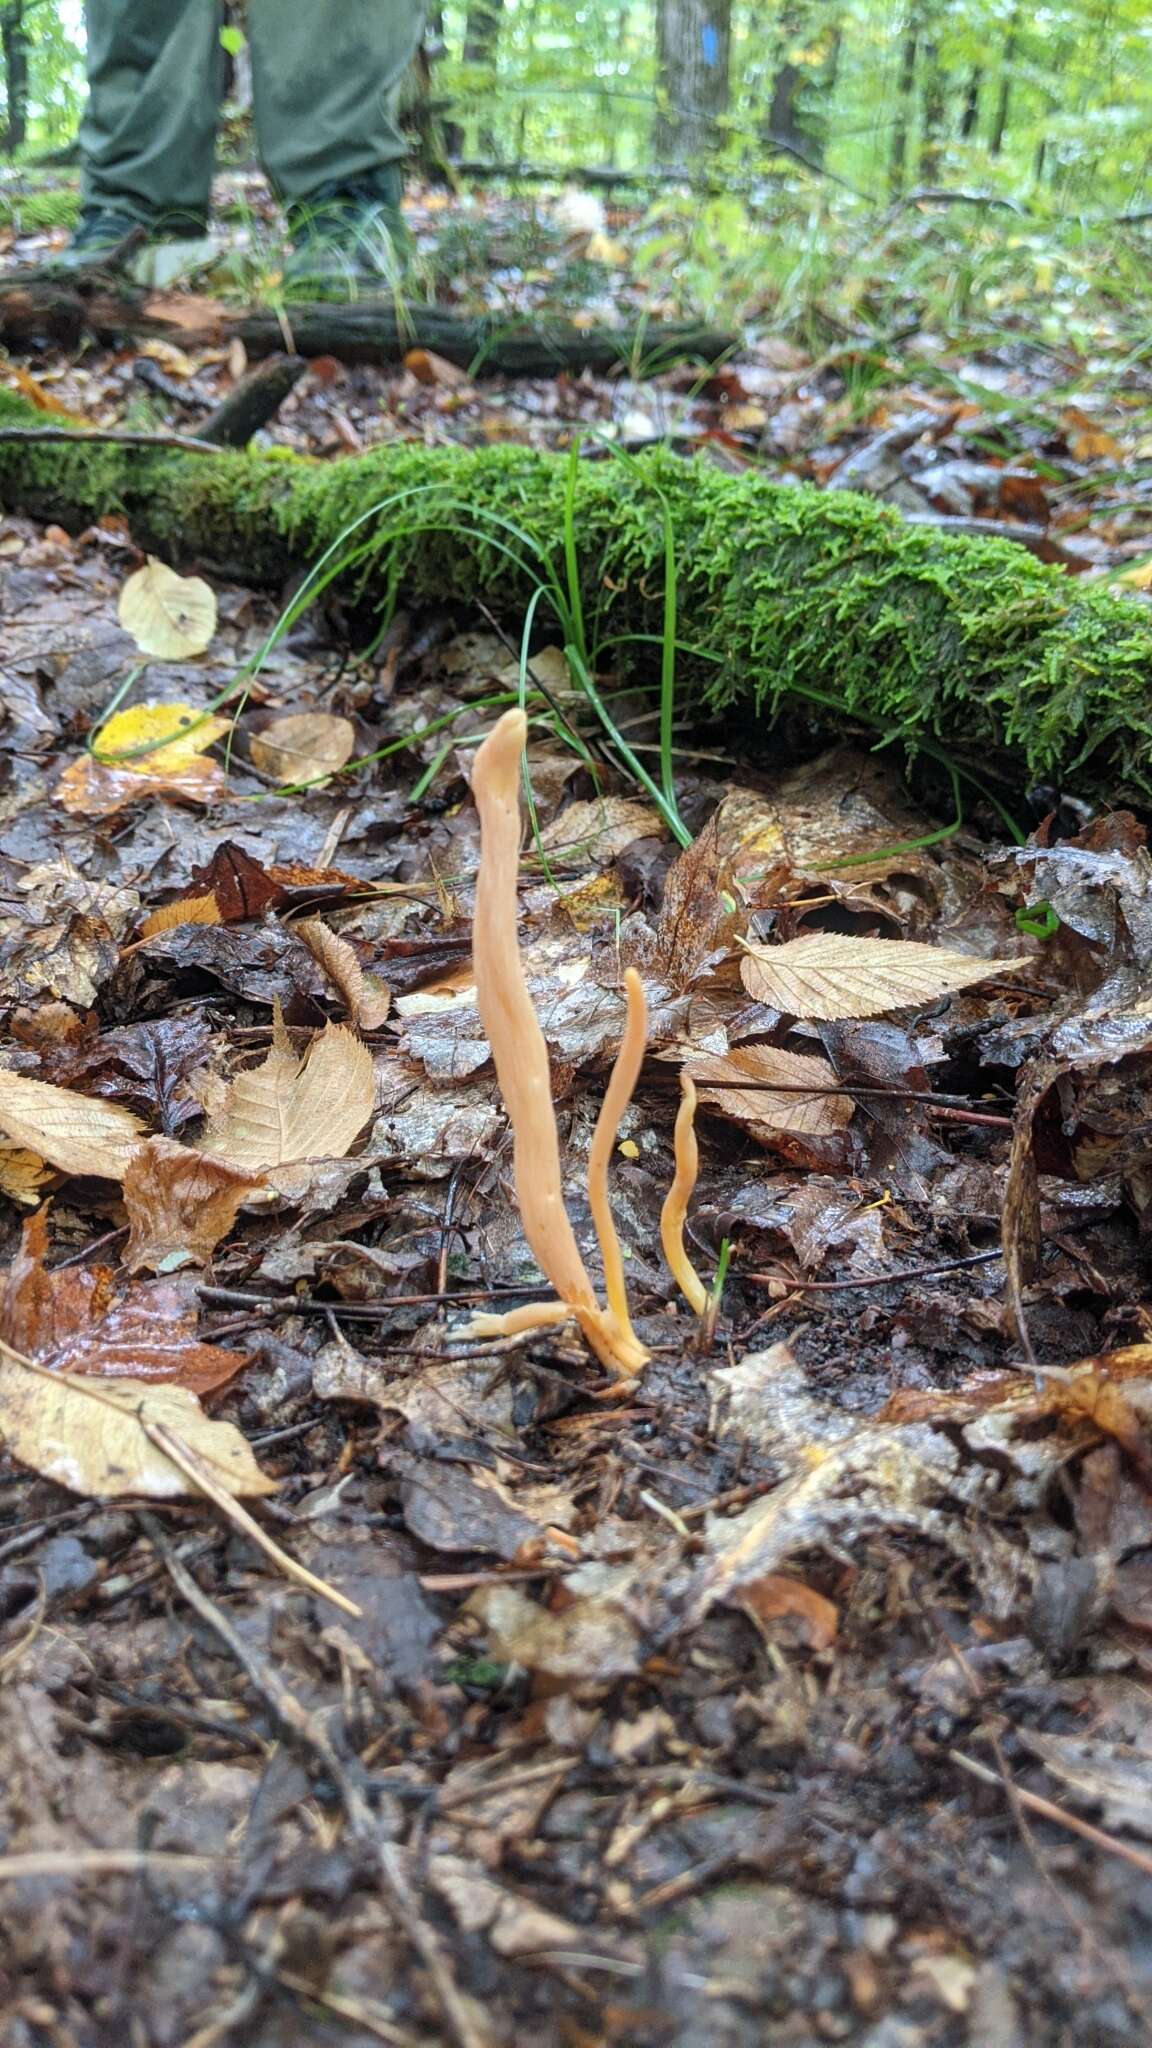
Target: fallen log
(39, 311)
(968, 646)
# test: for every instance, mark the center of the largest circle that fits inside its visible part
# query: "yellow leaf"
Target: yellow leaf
(175, 736)
(77, 1133)
(92, 1435)
(290, 1108)
(829, 976)
(304, 747)
(170, 617)
(22, 1174)
(1138, 577)
(186, 910)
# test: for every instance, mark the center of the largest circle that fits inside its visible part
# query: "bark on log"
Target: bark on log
(959, 645)
(38, 311)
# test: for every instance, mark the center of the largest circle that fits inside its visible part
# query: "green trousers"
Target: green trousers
(325, 82)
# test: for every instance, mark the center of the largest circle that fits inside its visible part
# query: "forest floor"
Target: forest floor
(795, 1693)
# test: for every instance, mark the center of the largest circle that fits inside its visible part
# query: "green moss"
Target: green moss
(971, 645)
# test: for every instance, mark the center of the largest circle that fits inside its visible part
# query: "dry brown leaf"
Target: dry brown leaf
(69, 1318)
(180, 1203)
(90, 789)
(292, 1108)
(779, 1598)
(429, 368)
(186, 910)
(92, 1436)
(73, 1132)
(830, 976)
(304, 747)
(170, 617)
(740, 1086)
(367, 1001)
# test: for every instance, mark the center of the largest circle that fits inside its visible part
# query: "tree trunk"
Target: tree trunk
(933, 117)
(1004, 96)
(966, 648)
(798, 114)
(897, 163)
(693, 44)
(969, 119)
(14, 38)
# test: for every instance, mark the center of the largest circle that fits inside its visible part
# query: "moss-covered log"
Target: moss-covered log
(968, 644)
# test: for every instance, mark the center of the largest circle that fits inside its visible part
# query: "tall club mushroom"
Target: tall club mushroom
(521, 1060)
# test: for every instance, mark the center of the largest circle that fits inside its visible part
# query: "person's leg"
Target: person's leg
(326, 79)
(156, 74)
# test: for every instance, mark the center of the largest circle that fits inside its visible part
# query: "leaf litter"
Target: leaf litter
(676, 1682)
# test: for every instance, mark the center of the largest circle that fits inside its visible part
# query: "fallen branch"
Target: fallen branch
(960, 647)
(45, 311)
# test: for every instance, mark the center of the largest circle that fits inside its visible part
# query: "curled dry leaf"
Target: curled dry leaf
(830, 976)
(180, 1203)
(304, 747)
(741, 1085)
(92, 1436)
(69, 1318)
(72, 1132)
(366, 1000)
(170, 617)
(292, 1108)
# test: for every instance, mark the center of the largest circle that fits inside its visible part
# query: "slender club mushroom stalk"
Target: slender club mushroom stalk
(678, 1197)
(520, 1056)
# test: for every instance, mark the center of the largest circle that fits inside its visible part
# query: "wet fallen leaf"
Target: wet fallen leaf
(304, 747)
(186, 910)
(740, 1085)
(292, 1107)
(366, 1000)
(71, 1131)
(170, 617)
(830, 976)
(590, 1642)
(92, 1437)
(180, 1203)
(90, 789)
(175, 736)
(68, 1317)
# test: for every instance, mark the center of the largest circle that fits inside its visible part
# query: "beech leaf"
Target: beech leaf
(830, 976)
(367, 1001)
(739, 1085)
(92, 1435)
(180, 1203)
(170, 617)
(304, 747)
(291, 1108)
(73, 1132)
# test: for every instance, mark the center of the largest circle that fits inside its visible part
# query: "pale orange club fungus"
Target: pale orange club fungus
(521, 1060)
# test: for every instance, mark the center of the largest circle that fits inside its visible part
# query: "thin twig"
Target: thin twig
(872, 1279)
(101, 1863)
(115, 435)
(1048, 1810)
(194, 1468)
